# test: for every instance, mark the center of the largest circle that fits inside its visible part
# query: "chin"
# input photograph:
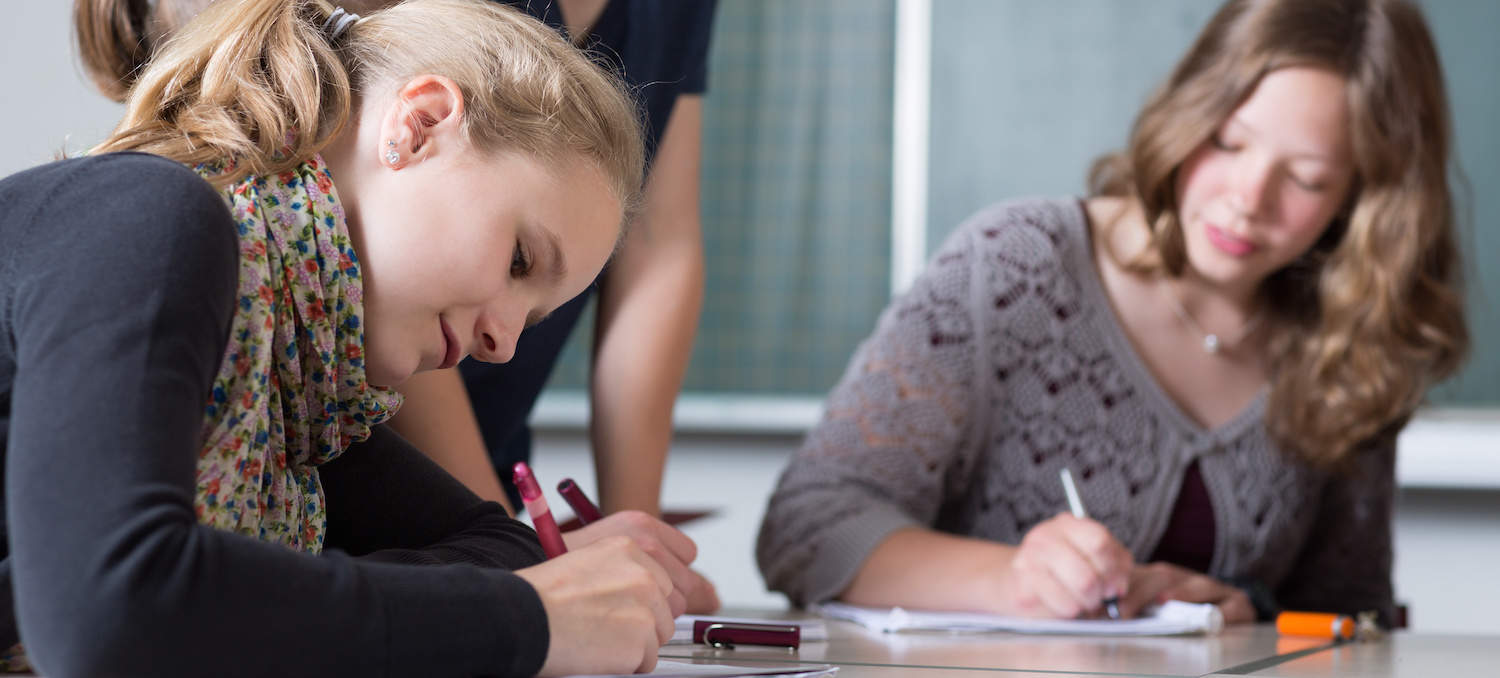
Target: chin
(1219, 268)
(386, 376)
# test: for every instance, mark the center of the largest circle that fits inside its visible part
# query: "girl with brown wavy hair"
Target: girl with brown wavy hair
(300, 209)
(1221, 344)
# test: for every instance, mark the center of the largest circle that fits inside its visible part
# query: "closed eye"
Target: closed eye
(1309, 186)
(520, 262)
(1218, 141)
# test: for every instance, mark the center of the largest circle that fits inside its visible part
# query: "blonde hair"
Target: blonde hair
(116, 38)
(259, 83)
(1372, 316)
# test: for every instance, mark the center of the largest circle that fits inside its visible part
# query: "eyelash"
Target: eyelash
(520, 264)
(1218, 142)
(1310, 188)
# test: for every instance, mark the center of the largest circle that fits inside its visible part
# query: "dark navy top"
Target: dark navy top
(117, 284)
(661, 49)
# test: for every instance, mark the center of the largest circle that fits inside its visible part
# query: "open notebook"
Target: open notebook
(685, 670)
(1170, 619)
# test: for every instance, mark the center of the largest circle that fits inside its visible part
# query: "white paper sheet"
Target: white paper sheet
(1172, 618)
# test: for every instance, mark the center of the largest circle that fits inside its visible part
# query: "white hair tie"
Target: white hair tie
(338, 22)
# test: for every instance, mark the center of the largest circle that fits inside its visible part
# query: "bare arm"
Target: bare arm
(1064, 567)
(917, 567)
(648, 313)
(438, 419)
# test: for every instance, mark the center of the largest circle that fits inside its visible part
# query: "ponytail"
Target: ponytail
(258, 83)
(112, 43)
(255, 81)
(116, 38)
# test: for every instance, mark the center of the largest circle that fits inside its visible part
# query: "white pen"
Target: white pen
(1075, 504)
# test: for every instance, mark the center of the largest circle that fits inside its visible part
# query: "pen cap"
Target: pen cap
(525, 481)
(1315, 624)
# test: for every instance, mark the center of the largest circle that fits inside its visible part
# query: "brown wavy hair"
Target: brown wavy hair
(1372, 315)
(257, 81)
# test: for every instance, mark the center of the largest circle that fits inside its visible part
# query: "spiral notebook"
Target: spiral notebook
(1169, 619)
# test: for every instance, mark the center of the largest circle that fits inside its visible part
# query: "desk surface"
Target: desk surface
(1254, 650)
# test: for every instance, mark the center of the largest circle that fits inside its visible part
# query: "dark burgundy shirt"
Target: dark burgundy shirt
(1189, 539)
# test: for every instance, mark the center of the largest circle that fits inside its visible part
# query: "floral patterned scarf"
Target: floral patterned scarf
(291, 391)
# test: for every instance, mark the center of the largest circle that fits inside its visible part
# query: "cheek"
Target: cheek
(1199, 179)
(1304, 217)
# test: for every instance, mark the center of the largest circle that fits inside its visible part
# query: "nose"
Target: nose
(1252, 179)
(497, 330)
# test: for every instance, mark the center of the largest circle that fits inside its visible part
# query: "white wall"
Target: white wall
(48, 104)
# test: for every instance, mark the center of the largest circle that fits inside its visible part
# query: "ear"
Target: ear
(423, 121)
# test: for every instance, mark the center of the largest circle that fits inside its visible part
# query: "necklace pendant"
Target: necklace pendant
(1211, 344)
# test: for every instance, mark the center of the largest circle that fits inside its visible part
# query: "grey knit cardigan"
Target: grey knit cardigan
(1004, 364)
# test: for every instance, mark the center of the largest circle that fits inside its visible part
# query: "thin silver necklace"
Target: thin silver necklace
(1212, 343)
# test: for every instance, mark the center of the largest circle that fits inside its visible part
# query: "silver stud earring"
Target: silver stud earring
(391, 156)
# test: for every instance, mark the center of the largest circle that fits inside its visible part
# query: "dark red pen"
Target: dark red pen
(586, 511)
(541, 516)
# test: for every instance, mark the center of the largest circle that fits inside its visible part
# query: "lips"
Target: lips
(1229, 244)
(452, 352)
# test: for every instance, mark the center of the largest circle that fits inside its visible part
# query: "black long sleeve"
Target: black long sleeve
(117, 283)
(388, 502)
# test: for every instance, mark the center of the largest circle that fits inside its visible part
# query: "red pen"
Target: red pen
(541, 516)
(586, 511)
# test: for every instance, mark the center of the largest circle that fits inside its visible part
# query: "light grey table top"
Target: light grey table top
(1400, 655)
(1255, 650)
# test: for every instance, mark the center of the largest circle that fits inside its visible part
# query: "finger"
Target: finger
(1148, 584)
(1104, 553)
(665, 626)
(583, 536)
(677, 542)
(677, 602)
(648, 658)
(1200, 589)
(1076, 573)
(644, 526)
(680, 576)
(704, 598)
(664, 581)
(1237, 608)
(1042, 595)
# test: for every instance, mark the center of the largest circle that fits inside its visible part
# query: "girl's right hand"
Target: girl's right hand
(607, 609)
(1065, 567)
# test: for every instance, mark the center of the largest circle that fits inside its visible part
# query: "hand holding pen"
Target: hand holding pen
(1066, 567)
(1075, 504)
(665, 544)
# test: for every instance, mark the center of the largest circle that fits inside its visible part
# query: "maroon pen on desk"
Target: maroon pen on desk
(541, 516)
(723, 634)
(586, 511)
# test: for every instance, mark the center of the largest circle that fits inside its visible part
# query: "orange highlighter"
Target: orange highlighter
(1322, 625)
